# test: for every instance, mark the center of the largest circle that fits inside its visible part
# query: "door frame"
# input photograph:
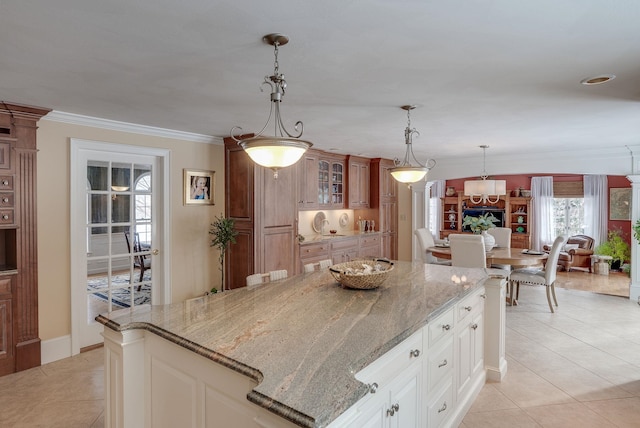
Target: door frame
(78, 230)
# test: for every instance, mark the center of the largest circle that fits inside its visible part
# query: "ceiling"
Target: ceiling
(498, 72)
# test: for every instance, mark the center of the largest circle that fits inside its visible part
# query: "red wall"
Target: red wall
(524, 181)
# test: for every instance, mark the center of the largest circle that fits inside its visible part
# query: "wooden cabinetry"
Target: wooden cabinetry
(341, 249)
(307, 175)
(358, 179)
(384, 197)
(19, 341)
(516, 212)
(264, 210)
(345, 250)
(518, 219)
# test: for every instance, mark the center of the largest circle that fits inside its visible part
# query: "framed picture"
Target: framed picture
(620, 203)
(198, 187)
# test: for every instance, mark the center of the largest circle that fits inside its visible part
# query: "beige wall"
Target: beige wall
(194, 267)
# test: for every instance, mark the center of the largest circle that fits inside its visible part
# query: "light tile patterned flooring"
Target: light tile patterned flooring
(579, 367)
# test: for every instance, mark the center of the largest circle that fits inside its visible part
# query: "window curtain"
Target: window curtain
(437, 192)
(595, 207)
(542, 207)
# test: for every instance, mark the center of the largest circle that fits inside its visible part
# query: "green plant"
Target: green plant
(636, 230)
(223, 235)
(614, 246)
(480, 223)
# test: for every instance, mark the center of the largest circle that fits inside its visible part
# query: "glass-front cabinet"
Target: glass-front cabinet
(331, 183)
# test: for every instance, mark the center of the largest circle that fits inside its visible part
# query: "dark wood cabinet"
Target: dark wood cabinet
(264, 210)
(19, 337)
(384, 197)
(307, 174)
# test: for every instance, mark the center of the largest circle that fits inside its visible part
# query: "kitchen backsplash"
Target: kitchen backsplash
(340, 220)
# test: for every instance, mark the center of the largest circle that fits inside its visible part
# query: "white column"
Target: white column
(124, 378)
(634, 290)
(495, 315)
(420, 214)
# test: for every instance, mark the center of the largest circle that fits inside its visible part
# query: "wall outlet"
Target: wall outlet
(403, 217)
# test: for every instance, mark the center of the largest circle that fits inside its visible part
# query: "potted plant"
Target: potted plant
(480, 225)
(616, 247)
(223, 235)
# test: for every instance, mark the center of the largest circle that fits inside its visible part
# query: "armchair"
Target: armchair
(572, 257)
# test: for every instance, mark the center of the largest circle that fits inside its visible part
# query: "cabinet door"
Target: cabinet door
(404, 408)
(307, 172)
(337, 184)
(324, 184)
(470, 353)
(388, 185)
(358, 184)
(373, 414)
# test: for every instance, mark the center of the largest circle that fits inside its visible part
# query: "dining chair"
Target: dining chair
(140, 261)
(310, 267)
(326, 263)
(276, 275)
(467, 251)
(425, 240)
(322, 264)
(257, 279)
(546, 276)
(502, 235)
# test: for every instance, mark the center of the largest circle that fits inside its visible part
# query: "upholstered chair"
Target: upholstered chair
(467, 251)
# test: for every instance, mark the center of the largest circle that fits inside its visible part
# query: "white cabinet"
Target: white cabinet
(469, 343)
(395, 380)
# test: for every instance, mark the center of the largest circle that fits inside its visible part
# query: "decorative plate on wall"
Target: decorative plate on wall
(344, 220)
(317, 221)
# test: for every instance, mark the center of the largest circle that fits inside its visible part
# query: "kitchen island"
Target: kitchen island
(288, 353)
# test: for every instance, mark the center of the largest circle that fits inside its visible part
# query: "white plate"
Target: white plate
(344, 220)
(317, 221)
(533, 252)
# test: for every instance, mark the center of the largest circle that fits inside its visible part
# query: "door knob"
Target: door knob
(155, 252)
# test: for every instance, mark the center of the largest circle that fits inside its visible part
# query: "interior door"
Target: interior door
(115, 263)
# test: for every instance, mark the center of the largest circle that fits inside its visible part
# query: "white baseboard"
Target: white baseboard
(55, 349)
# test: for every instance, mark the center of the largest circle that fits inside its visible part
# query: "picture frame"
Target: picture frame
(620, 203)
(198, 187)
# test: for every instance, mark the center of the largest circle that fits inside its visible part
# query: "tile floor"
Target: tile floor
(579, 367)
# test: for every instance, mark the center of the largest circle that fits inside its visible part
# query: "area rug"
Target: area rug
(121, 297)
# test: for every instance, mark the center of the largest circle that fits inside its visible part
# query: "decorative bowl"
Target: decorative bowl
(525, 193)
(362, 274)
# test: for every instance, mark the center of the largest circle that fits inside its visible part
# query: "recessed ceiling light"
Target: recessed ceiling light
(597, 80)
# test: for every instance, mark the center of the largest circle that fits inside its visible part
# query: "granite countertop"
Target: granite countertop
(303, 339)
(343, 234)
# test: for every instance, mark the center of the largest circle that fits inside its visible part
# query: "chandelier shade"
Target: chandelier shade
(404, 171)
(480, 191)
(284, 148)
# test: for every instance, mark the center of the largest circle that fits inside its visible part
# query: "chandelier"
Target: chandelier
(479, 191)
(284, 148)
(404, 171)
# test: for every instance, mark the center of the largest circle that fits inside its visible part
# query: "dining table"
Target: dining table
(515, 257)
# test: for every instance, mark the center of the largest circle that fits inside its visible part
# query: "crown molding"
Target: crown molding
(95, 122)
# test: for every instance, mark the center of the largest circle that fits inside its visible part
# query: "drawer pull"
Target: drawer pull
(5, 200)
(392, 411)
(446, 327)
(373, 388)
(468, 308)
(443, 408)
(5, 182)
(484, 296)
(414, 353)
(474, 326)
(442, 364)
(5, 217)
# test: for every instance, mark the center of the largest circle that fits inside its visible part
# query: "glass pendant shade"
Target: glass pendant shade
(408, 174)
(479, 191)
(275, 153)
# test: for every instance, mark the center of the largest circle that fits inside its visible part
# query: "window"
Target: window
(568, 216)
(434, 207)
(143, 207)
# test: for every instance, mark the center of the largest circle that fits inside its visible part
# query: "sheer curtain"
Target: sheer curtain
(595, 207)
(542, 207)
(437, 192)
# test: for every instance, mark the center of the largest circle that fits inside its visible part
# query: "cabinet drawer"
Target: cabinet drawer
(6, 200)
(6, 216)
(394, 362)
(5, 286)
(440, 408)
(370, 241)
(314, 250)
(344, 244)
(441, 327)
(440, 364)
(6, 182)
(470, 304)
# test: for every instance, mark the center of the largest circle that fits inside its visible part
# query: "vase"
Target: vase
(489, 241)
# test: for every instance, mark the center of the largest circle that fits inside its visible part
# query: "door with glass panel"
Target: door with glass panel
(119, 230)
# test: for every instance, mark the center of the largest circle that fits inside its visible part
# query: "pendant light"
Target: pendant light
(479, 191)
(405, 171)
(284, 148)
